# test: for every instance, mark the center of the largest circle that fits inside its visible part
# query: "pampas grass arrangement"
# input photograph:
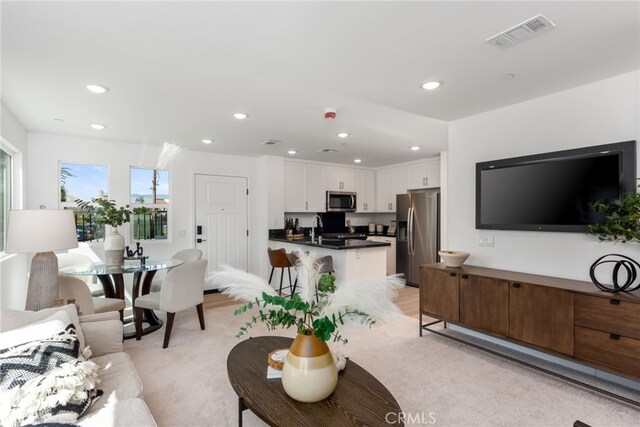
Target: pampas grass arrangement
(320, 305)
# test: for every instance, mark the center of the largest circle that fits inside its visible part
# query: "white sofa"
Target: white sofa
(121, 403)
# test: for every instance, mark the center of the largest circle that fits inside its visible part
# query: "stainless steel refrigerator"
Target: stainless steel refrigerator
(418, 232)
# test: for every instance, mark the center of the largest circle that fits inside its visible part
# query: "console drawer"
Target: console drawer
(613, 351)
(608, 315)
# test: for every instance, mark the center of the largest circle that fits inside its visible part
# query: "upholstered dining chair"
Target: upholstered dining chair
(185, 255)
(71, 287)
(72, 259)
(181, 289)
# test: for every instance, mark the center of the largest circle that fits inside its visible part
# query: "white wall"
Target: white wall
(603, 112)
(47, 150)
(14, 268)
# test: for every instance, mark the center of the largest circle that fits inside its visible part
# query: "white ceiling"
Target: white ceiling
(177, 70)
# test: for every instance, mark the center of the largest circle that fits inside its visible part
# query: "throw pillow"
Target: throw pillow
(13, 319)
(46, 381)
(36, 331)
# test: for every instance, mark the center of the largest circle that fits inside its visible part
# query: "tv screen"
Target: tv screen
(553, 191)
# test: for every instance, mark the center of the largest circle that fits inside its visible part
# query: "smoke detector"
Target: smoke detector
(328, 150)
(536, 25)
(271, 142)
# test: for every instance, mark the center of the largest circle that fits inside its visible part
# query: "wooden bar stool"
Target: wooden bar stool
(278, 259)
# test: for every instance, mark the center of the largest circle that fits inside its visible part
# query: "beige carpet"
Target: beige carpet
(187, 385)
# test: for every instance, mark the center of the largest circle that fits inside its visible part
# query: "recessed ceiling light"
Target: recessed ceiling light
(292, 152)
(415, 148)
(98, 88)
(207, 141)
(357, 161)
(240, 116)
(97, 126)
(431, 85)
(343, 134)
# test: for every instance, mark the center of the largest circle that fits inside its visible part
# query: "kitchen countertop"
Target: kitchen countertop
(334, 244)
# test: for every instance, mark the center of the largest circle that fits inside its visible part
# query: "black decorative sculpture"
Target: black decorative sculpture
(138, 252)
(630, 266)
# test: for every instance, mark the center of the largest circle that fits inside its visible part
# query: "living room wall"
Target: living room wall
(14, 268)
(603, 112)
(47, 150)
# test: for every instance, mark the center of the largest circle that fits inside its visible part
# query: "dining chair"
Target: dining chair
(71, 287)
(72, 259)
(184, 255)
(181, 289)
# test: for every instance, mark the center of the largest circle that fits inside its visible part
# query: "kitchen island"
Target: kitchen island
(352, 258)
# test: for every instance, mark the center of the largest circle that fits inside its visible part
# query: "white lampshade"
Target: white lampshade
(42, 230)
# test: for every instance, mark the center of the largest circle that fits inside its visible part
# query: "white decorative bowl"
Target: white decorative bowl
(453, 258)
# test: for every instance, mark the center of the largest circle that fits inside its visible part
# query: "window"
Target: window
(150, 203)
(84, 182)
(5, 195)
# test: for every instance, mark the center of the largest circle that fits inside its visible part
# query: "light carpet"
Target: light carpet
(433, 379)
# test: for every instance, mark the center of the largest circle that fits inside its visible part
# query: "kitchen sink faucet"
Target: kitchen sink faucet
(313, 229)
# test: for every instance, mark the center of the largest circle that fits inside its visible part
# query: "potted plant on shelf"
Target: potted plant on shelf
(621, 224)
(106, 212)
(317, 311)
(288, 226)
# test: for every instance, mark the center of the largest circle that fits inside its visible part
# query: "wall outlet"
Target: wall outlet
(486, 241)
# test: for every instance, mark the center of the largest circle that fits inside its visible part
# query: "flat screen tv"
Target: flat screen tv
(553, 191)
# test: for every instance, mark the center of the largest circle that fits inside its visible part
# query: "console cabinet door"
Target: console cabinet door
(542, 316)
(439, 294)
(484, 304)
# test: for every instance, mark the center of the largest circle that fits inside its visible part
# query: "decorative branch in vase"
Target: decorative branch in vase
(317, 311)
(106, 212)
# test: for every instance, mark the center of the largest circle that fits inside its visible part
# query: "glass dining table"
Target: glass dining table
(112, 280)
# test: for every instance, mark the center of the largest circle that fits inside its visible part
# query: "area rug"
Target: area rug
(435, 381)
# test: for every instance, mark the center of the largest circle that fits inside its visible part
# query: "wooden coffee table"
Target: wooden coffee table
(359, 398)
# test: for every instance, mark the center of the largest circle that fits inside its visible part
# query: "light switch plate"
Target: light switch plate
(485, 241)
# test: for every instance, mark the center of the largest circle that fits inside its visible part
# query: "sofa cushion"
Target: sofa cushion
(127, 412)
(41, 330)
(119, 379)
(13, 319)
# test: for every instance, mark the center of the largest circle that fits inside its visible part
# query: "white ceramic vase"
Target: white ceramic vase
(113, 248)
(309, 373)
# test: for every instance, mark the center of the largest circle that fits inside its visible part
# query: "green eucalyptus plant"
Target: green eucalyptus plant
(279, 312)
(105, 211)
(622, 219)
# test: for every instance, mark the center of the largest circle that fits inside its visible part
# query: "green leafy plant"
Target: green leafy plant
(277, 311)
(622, 219)
(105, 211)
(288, 223)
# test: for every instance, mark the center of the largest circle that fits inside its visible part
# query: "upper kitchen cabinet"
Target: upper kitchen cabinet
(340, 179)
(305, 187)
(364, 186)
(423, 175)
(389, 183)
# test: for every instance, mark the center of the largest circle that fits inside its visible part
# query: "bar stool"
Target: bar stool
(278, 259)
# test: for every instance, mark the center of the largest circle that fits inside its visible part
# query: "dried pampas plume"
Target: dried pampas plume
(168, 154)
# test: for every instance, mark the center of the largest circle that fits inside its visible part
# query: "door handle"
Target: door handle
(516, 285)
(200, 240)
(464, 276)
(199, 229)
(452, 274)
(353, 202)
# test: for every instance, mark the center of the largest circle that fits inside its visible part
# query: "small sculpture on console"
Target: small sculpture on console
(137, 254)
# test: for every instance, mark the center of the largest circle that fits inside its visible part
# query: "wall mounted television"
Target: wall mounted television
(553, 191)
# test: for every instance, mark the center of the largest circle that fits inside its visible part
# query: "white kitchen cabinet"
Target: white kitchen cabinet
(390, 182)
(305, 187)
(423, 175)
(340, 179)
(364, 186)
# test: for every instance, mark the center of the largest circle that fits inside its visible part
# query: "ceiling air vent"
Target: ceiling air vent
(328, 150)
(271, 142)
(524, 30)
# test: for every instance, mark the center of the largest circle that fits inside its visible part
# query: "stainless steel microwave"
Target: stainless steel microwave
(341, 201)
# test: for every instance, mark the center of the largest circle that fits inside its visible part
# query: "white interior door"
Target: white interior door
(221, 220)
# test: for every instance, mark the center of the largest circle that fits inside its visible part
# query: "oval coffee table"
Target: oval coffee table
(359, 398)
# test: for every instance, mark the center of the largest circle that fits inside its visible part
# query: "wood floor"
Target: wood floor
(407, 301)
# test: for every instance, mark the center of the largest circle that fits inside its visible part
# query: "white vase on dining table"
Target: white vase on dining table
(113, 248)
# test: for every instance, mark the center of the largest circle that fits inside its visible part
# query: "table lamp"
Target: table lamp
(42, 231)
